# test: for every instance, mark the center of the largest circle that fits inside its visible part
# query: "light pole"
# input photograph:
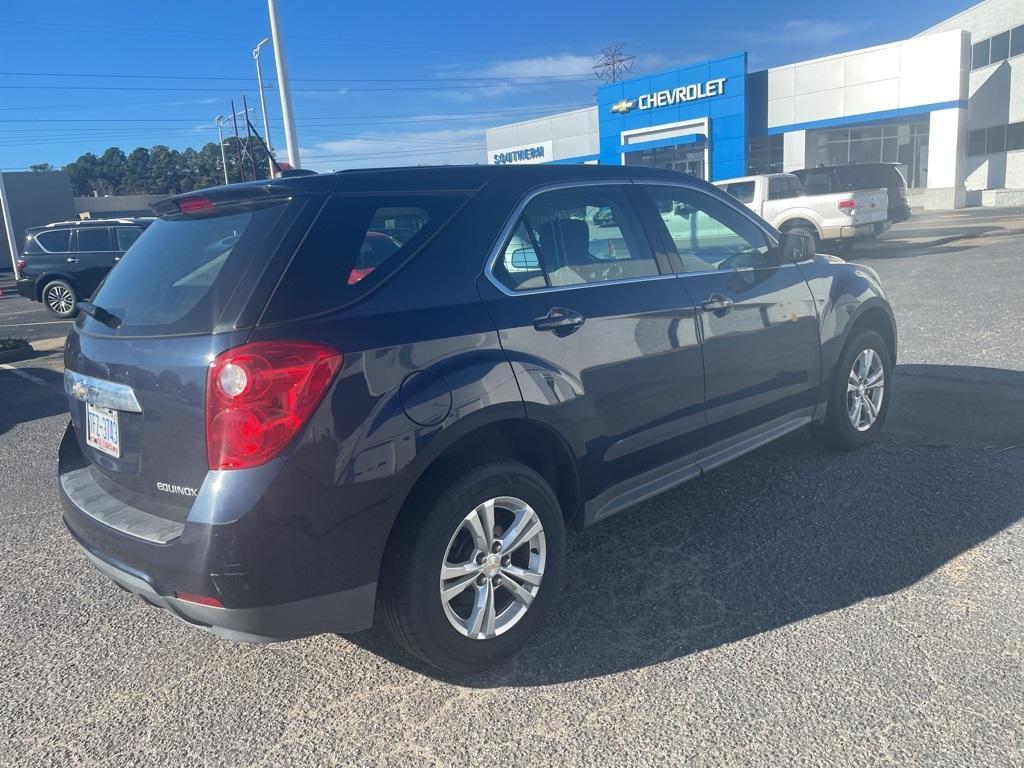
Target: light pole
(223, 157)
(263, 103)
(282, 86)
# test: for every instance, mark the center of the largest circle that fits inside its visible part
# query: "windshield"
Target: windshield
(179, 275)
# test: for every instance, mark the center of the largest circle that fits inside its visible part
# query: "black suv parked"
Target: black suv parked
(270, 433)
(63, 263)
(825, 180)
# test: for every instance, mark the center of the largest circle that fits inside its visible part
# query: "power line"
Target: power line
(193, 89)
(456, 78)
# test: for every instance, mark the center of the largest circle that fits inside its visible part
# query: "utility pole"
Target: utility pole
(238, 143)
(282, 86)
(12, 241)
(614, 63)
(223, 155)
(248, 139)
(263, 103)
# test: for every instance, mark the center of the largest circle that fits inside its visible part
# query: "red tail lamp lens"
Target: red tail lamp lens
(847, 206)
(195, 204)
(258, 397)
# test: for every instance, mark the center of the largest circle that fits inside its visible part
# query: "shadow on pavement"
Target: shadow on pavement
(901, 249)
(784, 534)
(22, 399)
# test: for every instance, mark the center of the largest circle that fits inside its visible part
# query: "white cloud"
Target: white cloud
(559, 65)
(812, 31)
(387, 148)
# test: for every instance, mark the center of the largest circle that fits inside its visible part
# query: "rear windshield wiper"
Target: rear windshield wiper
(99, 313)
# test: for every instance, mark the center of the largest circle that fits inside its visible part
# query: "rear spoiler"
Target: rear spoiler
(242, 194)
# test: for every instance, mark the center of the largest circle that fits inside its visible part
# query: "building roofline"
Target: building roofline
(954, 16)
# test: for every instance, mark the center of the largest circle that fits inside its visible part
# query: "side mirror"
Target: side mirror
(796, 246)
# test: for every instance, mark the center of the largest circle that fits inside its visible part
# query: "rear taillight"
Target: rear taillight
(259, 395)
(19, 266)
(848, 206)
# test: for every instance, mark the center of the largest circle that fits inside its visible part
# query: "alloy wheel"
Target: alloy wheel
(865, 389)
(493, 567)
(59, 299)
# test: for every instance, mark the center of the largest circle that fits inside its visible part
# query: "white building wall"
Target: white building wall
(572, 134)
(919, 72)
(996, 95)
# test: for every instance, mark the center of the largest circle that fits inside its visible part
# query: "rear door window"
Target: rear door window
(94, 239)
(54, 240)
(353, 245)
(741, 190)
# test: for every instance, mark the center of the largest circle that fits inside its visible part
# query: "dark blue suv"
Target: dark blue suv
(293, 400)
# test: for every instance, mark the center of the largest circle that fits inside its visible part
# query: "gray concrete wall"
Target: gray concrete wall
(113, 206)
(35, 199)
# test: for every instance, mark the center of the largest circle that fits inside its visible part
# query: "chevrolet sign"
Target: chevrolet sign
(668, 97)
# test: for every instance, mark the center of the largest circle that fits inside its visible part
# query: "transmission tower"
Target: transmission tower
(614, 63)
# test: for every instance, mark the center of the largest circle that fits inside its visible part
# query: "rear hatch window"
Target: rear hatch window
(186, 272)
(355, 243)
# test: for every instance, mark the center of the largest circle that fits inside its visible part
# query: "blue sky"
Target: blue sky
(373, 83)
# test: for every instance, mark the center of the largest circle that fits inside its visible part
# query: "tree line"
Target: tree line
(160, 170)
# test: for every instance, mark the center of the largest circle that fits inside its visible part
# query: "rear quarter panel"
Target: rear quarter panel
(422, 368)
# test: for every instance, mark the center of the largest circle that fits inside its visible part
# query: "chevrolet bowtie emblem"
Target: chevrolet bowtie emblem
(624, 106)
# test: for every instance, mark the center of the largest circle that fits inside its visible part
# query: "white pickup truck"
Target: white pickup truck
(841, 217)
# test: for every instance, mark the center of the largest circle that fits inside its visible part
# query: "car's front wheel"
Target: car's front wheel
(861, 391)
(466, 585)
(60, 298)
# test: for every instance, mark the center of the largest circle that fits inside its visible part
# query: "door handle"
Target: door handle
(72, 260)
(561, 321)
(717, 303)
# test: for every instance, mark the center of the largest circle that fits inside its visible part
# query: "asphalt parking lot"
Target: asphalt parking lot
(791, 608)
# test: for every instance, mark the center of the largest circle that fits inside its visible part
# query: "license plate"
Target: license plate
(102, 430)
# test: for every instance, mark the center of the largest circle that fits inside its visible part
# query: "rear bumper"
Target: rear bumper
(338, 612)
(899, 213)
(274, 583)
(27, 287)
(857, 231)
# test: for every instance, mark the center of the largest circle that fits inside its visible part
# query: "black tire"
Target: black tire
(60, 298)
(411, 600)
(838, 431)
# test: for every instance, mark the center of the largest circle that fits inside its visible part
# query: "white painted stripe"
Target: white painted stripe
(22, 374)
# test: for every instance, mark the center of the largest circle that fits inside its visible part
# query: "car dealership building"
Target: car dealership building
(947, 105)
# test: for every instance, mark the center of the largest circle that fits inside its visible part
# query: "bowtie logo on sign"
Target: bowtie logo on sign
(670, 96)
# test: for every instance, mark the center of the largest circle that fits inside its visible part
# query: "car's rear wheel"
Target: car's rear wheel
(60, 298)
(466, 587)
(861, 392)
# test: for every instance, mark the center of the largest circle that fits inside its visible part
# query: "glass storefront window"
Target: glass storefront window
(904, 143)
(680, 158)
(764, 154)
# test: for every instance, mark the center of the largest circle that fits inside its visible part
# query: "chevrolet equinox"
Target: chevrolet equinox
(295, 400)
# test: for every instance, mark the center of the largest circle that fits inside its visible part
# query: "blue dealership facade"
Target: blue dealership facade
(921, 103)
